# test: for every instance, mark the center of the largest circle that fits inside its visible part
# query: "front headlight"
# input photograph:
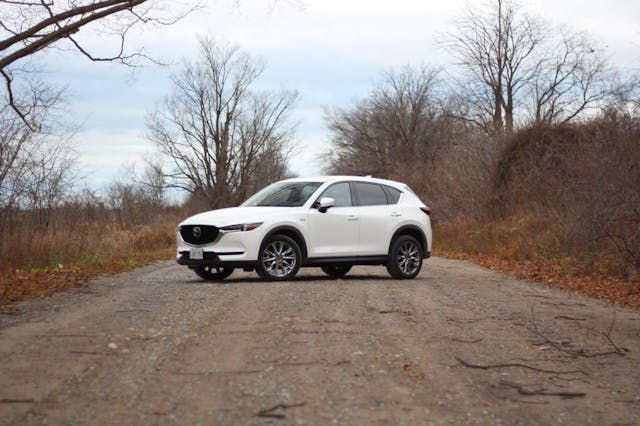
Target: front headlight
(241, 227)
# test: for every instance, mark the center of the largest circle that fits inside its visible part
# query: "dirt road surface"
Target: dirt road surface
(457, 345)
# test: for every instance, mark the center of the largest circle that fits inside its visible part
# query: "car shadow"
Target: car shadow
(304, 278)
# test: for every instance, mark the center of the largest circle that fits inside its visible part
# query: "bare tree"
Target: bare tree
(49, 178)
(17, 141)
(36, 169)
(494, 45)
(29, 26)
(386, 130)
(153, 179)
(404, 131)
(215, 130)
(127, 202)
(571, 76)
(514, 63)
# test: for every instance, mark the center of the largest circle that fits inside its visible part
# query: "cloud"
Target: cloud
(103, 153)
(331, 51)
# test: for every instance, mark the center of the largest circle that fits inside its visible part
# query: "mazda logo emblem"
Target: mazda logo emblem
(197, 231)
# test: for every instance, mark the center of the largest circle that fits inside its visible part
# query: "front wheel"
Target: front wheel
(405, 258)
(212, 273)
(279, 259)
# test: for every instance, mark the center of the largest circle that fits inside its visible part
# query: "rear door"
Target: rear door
(377, 217)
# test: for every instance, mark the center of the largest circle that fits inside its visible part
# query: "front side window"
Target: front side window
(341, 193)
(370, 194)
(283, 194)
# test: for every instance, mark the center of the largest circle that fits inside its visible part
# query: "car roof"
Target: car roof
(339, 178)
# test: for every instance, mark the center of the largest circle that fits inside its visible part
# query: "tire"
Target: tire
(213, 273)
(280, 258)
(405, 258)
(336, 271)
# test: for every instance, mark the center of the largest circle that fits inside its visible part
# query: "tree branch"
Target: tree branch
(515, 364)
(12, 103)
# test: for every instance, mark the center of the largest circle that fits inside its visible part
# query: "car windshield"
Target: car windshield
(283, 194)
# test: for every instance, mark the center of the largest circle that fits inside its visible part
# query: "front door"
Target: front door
(335, 232)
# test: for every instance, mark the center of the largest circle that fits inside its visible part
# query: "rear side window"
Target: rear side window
(393, 195)
(370, 194)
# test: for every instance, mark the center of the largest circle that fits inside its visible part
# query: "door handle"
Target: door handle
(352, 218)
(395, 214)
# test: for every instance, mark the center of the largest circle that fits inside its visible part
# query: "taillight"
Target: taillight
(426, 210)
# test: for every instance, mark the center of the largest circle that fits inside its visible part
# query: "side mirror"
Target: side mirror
(325, 203)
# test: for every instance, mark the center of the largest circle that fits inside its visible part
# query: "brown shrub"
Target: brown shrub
(154, 238)
(582, 181)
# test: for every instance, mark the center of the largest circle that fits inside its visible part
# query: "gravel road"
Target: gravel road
(457, 345)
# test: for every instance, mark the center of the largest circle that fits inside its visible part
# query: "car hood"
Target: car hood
(235, 216)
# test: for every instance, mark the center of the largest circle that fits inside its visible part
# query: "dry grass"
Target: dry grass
(47, 261)
(518, 238)
(530, 249)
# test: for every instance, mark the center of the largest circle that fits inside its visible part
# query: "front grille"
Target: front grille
(198, 234)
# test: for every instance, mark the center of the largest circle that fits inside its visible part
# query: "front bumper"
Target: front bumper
(231, 249)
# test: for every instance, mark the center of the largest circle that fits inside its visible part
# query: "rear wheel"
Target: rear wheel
(405, 258)
(279, 259)
(336, 271)
(213, 273)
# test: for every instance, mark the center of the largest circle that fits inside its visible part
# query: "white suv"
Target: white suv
(332, 222)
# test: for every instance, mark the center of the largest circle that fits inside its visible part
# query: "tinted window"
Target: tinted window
(393, 195)
(341, 192)
(370, 194)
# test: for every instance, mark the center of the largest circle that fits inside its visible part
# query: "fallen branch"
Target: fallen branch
(211, 373)
(581, 352)
(469, 321)
(16, 401)
(90, 353)
(563, 304)
(395, 311)
(538, 295)
(270, 412)
(569, 318)
(522, 390)
(515, 364)
(607, 335)
(453, 339)
(45, 336)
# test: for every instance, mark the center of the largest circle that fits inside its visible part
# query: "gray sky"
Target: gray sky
(331, 51)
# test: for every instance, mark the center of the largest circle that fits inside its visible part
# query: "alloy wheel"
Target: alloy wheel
(279, 259)
(408, 257)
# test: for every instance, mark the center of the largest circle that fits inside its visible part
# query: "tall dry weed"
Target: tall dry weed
(85, 240)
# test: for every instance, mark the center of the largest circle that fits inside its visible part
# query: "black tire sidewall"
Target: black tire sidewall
(336, 271)
(209, 276)
(393, 267)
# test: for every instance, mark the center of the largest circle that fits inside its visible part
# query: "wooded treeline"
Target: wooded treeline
(567, 190)
(529, 148)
